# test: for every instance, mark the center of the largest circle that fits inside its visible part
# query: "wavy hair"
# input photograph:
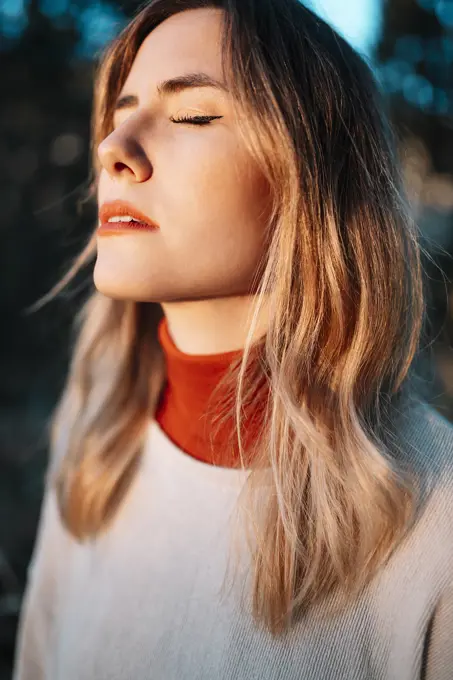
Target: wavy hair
(343, 275)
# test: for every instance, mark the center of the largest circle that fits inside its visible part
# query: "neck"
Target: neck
(203, 327)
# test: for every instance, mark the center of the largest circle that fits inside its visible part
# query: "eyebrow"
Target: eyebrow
(173, 86)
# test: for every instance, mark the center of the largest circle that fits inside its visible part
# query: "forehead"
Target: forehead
(187, 41)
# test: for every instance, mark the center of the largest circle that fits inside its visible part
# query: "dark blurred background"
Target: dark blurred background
(48, 49)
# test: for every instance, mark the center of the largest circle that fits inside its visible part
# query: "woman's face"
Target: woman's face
(198, 183)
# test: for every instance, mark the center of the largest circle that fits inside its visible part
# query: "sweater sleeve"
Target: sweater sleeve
(439, 647)
(34, 631)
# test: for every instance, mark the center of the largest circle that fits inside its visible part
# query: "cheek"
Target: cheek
(220, 241)
(215, 194)
(217, 221)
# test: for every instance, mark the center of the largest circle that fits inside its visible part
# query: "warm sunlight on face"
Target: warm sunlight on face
(197, 182)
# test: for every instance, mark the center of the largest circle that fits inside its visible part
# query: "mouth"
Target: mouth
(106, 228)
(120, 217)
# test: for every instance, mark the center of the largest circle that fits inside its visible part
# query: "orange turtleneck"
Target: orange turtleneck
(181, 412)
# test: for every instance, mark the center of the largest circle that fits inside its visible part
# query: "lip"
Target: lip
(118, 208)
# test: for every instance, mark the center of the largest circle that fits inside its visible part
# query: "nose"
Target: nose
(123, 156)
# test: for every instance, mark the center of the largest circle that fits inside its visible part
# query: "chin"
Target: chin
(128, 285)
(114, 284)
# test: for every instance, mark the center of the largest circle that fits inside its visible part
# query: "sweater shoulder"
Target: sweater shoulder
(425, 447)
(425, 438)
(427, 442)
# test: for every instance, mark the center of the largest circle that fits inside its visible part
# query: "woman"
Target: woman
(243, 382)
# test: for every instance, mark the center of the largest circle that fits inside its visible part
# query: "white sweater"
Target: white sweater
(143, 601)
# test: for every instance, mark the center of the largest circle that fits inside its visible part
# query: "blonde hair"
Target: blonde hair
(343, 276)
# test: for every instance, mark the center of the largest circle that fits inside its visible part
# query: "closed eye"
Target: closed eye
(195, 120)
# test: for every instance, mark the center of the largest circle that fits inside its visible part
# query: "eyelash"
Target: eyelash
(196, 120)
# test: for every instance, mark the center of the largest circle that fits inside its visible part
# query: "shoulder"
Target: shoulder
(424, 445)
(431, 422)
(426, 440)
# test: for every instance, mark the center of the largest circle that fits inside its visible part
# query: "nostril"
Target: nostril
(124, 160)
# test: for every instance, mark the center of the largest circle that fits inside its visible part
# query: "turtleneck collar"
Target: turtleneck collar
(181, 412)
